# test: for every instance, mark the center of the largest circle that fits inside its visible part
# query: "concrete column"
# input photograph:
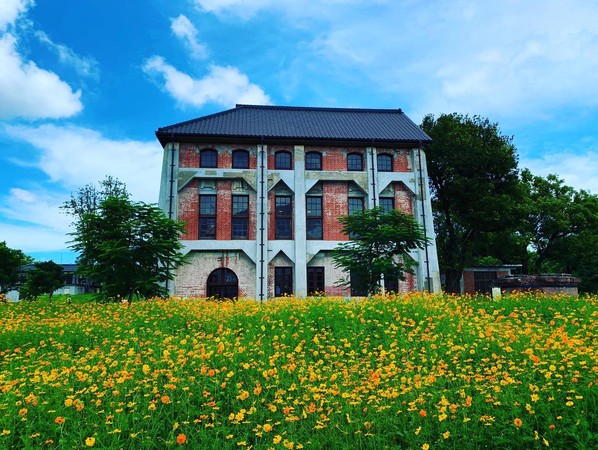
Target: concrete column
(261, 258)
(300, 231)
(168, 195)
(371, 167)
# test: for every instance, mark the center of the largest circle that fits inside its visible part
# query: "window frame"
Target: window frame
(350, 164)
(361, 200)
(392, 202)
(313, 280)
(314, 215)
(283, 281)
(213, 156)
(283, 218)
(206, 217)
(278, 164)
(240, 218)
(245, 154)
(308, 156)
(388, 158)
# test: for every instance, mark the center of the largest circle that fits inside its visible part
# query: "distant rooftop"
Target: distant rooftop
(255, 123)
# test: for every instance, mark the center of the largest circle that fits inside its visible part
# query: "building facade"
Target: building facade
(260, 189)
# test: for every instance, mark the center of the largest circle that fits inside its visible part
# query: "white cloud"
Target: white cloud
(73, 157)
(30, 92)
(86, 67)
(184, 29)
(222, 85)
(11, 9)
(577, 170)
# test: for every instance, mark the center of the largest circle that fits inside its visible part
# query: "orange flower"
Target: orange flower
(423, 413)
(59, 420)
(518, 422)
(165, 399)
(181, 439)
(23, 411)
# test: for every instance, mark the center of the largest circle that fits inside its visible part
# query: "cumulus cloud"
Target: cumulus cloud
(10, 10)
(84, 66)
(222, 85)
(30, 92)
(184, 29)
(73, 157)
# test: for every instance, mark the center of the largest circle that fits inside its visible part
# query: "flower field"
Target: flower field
(415, 371)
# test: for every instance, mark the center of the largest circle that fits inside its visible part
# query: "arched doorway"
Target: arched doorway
(223, 283)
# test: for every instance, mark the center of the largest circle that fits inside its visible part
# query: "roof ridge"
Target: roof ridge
(318, 108)
(185, 122)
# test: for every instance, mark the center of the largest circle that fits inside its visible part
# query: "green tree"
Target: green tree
(88, 198)
(11, 261)
(128, 247)
(44, 278)
(379, 245)
(474, 184)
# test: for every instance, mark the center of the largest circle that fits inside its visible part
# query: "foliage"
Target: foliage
(11, 261)
(379, 246)
(413, 371)
(472, 170)
(128, 248)
(88, 198)
(43, 278)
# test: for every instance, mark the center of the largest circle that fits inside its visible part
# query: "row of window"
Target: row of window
(283, 160)
(283, 215)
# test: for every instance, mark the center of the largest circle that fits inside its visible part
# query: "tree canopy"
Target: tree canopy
(11, 261)
(472, 169)
(128, 247)
(379, 245)
(44, 278)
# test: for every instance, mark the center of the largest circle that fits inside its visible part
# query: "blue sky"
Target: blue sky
(84, 84)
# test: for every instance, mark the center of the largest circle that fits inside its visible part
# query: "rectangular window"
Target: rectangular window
(313, 207)
(357, 287)
(240, 219)
(283, 281)
(315, 280)
(355, 204)
(283, 215)
(207, 217)
(483, 281)
(387, 203)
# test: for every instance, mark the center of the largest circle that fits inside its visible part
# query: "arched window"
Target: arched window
(223, 283)
(240, 159)
(354, 161)
(384, 163)
(313, 161)
(283, 160)
(208, 158)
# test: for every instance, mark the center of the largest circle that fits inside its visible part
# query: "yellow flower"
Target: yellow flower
(425, 447)
(267, 427)
(276, 439)
(90, 441)
(446, 435)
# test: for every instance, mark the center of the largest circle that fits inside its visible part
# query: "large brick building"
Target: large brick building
(260, 189)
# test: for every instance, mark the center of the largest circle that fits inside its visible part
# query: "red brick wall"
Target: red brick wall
(224, 210)
(188, 158)
(188, 204)
(189, 155)
(334, 201)
(403, 198)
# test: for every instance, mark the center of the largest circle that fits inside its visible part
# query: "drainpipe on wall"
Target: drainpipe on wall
(262, 217)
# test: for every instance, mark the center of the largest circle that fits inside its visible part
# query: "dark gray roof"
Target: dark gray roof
(251, 122)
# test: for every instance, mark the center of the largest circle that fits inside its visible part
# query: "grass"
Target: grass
(413, 371)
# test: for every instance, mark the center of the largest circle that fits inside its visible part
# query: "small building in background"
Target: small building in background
(480, 279)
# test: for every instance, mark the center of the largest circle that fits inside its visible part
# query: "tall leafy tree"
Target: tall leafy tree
(44, 278)
(11, 261)
(472, 168)
(379, 245)
(88, 198)
(128, 247)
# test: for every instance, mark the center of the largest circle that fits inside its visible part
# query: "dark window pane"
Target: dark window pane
(222, 283)
(354, 161)
(283, 160)
(315, 280)
(207, 205)
(240, 205)
(283, 281)
(314, 206)
(391, 284)
(313, 161)
(284, 206)
(314, 228)
(355, 204)
(357, 287)
(240, 228)
(483, 281)
(240, 159)
(387, 203)
(283, 229)
(384, 163)
(208, 158)
(207, 227)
